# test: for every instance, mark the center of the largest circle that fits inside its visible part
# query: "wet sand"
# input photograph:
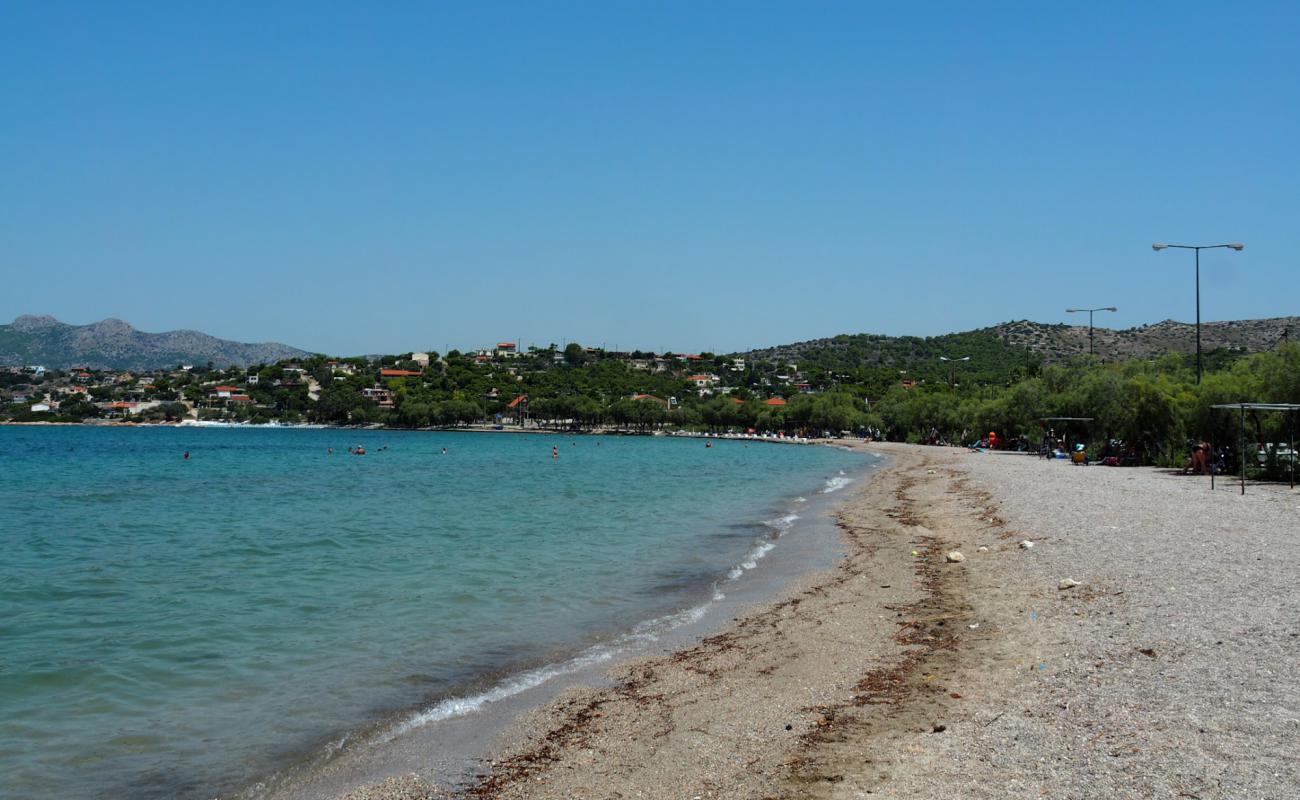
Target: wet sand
(1168, 671)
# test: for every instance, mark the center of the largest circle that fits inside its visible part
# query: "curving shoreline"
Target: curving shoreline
(450, 741)
(901, 674)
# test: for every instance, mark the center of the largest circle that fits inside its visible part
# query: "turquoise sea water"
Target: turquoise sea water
(179, 628)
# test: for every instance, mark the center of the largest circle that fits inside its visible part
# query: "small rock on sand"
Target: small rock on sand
(406, 787)
(982, 549)
(1067, 583)
(1025, 544)
(955, 557)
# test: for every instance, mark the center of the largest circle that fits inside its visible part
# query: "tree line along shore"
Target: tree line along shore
(1152, 408)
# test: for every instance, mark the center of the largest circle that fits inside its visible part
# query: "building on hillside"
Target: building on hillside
(124, 408)
(420, 358)
(775, 402)
(223, 392)
(506, 349)
(667, 404)
(399, 373)
(381, 396)
(703, 383)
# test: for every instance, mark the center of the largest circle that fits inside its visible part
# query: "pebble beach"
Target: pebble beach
(1000, 626)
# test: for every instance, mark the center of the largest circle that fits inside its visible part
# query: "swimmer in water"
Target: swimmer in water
(187, 455)
(444, 451)
(555, 451)
(329, 451)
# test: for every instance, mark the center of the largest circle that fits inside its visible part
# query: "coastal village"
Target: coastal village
(1149, 411)
(498, 385)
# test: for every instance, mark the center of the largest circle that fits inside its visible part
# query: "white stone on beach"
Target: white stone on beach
(955, 557)
(1067, 583)
(1026, 544)
(982, 549)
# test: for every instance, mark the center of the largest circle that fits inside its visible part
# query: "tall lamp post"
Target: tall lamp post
(1158, 246)
(1090, 311)
(952, 368)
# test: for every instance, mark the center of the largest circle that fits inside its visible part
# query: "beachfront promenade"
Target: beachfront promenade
(1169, 671)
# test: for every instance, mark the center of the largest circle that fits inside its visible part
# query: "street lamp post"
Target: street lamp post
(1090, 311)
(1158, 246)
(952, 368)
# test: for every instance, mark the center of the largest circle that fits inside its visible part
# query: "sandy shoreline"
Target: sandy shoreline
(1168, 672)
(448, 739)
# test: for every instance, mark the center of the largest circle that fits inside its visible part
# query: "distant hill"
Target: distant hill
(997, 352)
(1062, 342)
(113, 344)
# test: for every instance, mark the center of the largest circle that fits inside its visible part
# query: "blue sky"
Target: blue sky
(382, 177)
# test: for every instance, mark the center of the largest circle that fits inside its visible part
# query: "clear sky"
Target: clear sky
(378, 177)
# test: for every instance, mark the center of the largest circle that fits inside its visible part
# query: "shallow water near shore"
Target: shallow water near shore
(182, 628)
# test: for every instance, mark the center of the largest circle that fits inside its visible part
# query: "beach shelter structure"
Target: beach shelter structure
(1290, 409)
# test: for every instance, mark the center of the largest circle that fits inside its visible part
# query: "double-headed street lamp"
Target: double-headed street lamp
(1090, 312)
(1158, 246)
(952, 368)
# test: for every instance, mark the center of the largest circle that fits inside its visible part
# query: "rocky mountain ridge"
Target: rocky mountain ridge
(115, 344)
(1051, 343)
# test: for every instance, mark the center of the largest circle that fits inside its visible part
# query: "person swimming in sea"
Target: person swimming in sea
(187, 455)
(555, 451)
(444, 451)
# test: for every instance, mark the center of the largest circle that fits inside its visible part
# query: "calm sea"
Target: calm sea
(178, 628)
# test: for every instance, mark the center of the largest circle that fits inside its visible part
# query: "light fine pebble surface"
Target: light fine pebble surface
(1171, 669)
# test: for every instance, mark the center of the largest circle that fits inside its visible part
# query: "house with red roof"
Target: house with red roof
(649, 397)
(399, 373)
(775, 401)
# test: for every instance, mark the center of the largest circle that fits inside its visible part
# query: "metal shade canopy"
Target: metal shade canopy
(1289, 408)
